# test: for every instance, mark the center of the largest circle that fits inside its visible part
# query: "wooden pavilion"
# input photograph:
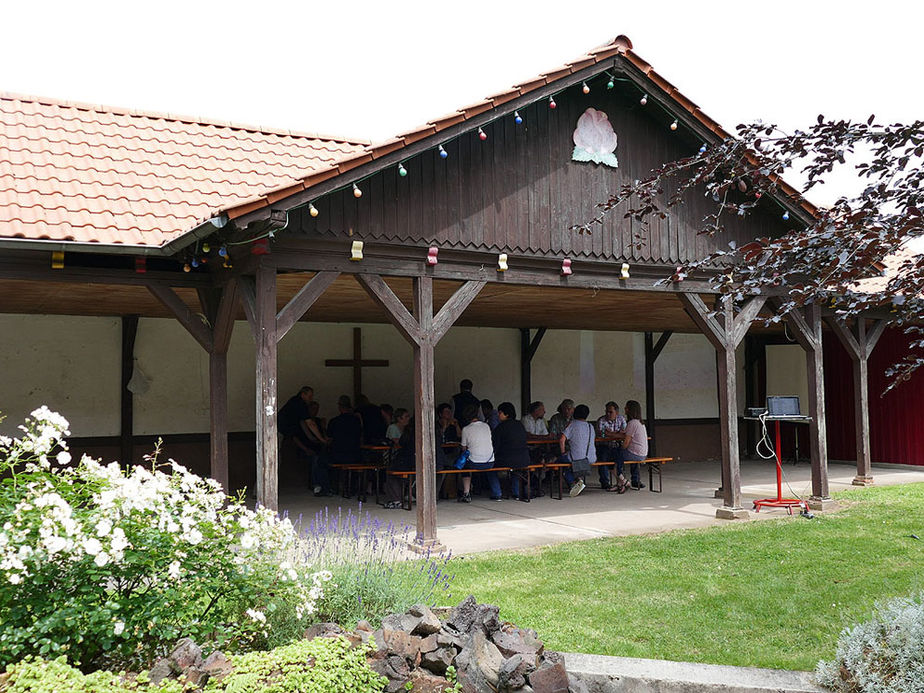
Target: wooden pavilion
(464, 221)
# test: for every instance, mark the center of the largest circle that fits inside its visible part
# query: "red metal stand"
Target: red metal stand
(779, 501)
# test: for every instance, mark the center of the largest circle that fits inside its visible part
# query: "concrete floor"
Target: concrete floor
(687, 501)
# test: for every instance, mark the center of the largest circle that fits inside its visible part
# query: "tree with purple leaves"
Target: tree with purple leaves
(862, 253)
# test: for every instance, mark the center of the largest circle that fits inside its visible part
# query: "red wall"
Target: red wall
(896, 419)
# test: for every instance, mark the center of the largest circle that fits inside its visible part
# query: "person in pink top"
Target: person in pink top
(634, 447)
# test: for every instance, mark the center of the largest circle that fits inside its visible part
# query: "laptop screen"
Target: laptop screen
(783, 406)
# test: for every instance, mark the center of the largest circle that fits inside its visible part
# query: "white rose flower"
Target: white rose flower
(92, 546)
(15, 578)
(102, 558)
(55, 544)
(118, 628)
(64, 458)
(174, 570)
(103, 527)
(249, 541)
(256, 615)
(119, 542)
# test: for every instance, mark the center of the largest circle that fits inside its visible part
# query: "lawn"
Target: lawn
(774, 593)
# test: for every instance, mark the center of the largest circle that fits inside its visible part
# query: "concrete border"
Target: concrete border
(625, 675)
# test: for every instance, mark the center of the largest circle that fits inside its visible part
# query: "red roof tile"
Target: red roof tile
(94, 174)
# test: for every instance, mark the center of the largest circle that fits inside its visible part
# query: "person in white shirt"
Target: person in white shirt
(476, 438)
(534, 423)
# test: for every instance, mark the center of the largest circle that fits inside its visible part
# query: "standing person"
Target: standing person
(609, 426)
(510, 449)
(345, 433)
(447, 431)
(294, 417)
(374, 425)
(634, 444)
(464, 399)
(559, 421)
(476, 438)
(489, 414)
(579, 435)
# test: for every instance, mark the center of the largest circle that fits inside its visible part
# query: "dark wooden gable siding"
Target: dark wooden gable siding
(520, 192)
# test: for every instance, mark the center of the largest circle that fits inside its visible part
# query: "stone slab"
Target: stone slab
(626, 675)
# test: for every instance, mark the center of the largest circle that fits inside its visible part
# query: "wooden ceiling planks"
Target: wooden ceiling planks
(498, 305)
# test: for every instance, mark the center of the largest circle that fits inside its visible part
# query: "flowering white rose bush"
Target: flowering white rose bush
(106, 565)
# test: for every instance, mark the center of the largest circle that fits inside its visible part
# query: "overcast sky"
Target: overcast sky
(374, 69)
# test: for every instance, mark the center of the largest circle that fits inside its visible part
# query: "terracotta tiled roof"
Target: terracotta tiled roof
(95, 174)
(620, 46)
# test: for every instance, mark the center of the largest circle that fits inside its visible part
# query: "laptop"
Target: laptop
(783, 406)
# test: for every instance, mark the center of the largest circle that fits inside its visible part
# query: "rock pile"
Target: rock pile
(471, 648)
(186, 660)
(486, 653)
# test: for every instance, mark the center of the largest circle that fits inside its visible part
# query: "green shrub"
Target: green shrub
(373, 572)
(335, 668)
(323, 665)
(882, 655)
(110, 567)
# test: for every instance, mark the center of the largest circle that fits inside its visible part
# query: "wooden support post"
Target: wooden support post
(859, 345)
(725, 330)
(422, 330)
(806, 328)
(126, 423)
(652, 351)
(528, 349)
(267, 447)
(221, 317)
(424, 408)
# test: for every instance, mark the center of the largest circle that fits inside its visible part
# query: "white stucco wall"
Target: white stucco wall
(787, 372)
(69, 363)
(72, 364)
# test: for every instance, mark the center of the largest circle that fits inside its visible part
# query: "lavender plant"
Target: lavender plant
(373, 572)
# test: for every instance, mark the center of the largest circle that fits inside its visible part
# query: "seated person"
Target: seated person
(345, 433)
(579, 436)
(634, 447)
(476, 438)
(447, 431)
(609, 426)
(560, 420)
(510, 449)
(298, 420)
(534, 421)
(396, 428)
(404, 460)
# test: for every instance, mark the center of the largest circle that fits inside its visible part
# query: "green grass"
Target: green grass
(775, 593)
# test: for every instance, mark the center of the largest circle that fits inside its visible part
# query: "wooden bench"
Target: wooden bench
(654, 469)
(362, 470)
(407, 479)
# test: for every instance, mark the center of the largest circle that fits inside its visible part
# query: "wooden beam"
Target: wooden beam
(701, 315)
(38, 269)
(247, 291)
(296, 308)
(851, 343)
(267, 447)
(223, 322)
(747, 315)
(399, 316)
(802, 331)
(218, 418)
(126, 419)
(528, 349)
(873, 335)
(527, 272)
(187, 318)
(661, 343)
(454, 307)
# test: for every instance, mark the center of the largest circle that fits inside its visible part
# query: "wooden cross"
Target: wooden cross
(357, 363)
